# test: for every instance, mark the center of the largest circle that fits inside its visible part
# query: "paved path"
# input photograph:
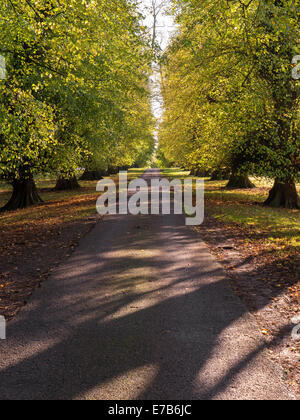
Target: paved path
(140, 311)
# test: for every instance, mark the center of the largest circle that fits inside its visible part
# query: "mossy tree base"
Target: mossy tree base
(92, 175)
(24, 194)
(283, 194)
(220, 175)
(64, 184)
(239, 182)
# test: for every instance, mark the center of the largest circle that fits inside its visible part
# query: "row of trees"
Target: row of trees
(231, 102)
(75, 93)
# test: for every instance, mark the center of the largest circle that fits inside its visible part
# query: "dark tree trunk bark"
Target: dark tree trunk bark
(67, 184)
(203, 174)
(199, 173)
(283, 194)
(112, 170)
(92, 175)
(239, 182)
(24, 194)
(124, 168)
(220, 175)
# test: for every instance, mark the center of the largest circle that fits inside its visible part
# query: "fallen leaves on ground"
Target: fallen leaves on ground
(35, 240)
(266, 276)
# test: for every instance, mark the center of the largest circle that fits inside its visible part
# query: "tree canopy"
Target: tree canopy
(76, 90)
(230, 98)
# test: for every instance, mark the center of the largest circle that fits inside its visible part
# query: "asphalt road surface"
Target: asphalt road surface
(140, 311)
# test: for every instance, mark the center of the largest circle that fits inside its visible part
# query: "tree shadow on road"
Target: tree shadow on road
(122, 322)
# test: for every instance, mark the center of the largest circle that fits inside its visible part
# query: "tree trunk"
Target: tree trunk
(67, 184)
(284, 194)
(124, 168)
(24, 194)
(239, 182)
(92, 175)
(112, 170)
(220, 175)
